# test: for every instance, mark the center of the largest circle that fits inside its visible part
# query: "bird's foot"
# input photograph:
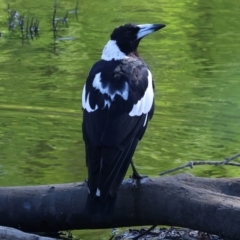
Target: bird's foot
(138, 176)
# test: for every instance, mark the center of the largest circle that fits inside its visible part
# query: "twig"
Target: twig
(8, 9)
(144, 233)
(31, 29)
(54, 24)
(190, 164)
(65, 19)
(55, 4)
(227, 160)
(27, 30)
(75, 11)
(36, 28)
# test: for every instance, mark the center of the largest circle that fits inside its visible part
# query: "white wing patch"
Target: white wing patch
(85, 103)
(98, 193)
(145, 120)
(107, 103)
(112, 52)
(98, 85)
(144, 105)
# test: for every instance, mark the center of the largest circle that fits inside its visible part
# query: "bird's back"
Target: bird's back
(111, 91)
(118, 102)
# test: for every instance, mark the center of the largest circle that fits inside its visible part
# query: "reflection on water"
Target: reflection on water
(195, 61)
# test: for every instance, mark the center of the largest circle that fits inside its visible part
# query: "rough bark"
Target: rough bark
(7, 233)
(208, 205)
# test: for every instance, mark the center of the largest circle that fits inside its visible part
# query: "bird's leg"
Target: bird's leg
(135, 174)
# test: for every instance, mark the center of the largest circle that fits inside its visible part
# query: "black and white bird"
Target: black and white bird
(118, 102)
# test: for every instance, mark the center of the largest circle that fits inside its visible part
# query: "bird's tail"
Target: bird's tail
(107, 167)
(97, 207)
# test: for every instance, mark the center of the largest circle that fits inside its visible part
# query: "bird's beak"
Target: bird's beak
(146, 29)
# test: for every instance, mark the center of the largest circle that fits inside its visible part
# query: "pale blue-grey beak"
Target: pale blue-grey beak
(145, 29)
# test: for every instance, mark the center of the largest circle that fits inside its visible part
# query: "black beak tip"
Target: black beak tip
(159, 26)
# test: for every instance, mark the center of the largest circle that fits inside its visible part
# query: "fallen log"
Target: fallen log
(205, 204)
(7, 233)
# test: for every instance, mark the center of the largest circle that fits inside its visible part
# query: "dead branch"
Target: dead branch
(8, 233)
(205, 204)
(190, 164)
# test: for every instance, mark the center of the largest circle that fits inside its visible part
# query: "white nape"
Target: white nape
(98, 85)
(144, 105)
(98, 193)
(85, 102)
(111, 51)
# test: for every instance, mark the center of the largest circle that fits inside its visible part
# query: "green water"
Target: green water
(195, 62)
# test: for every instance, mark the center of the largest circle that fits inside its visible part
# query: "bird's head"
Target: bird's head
(124, 39)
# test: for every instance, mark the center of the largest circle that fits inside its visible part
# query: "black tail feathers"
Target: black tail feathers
(97, 207)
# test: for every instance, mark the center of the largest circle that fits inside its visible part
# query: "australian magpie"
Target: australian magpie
(118, 102)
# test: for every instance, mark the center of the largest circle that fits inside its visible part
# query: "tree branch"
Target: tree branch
(7, 233)
(208, 205)
(190, 164)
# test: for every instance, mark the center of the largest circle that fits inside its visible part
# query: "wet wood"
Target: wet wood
(205, 204)
(7, 233)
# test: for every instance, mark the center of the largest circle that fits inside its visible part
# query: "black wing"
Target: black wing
(118, 102)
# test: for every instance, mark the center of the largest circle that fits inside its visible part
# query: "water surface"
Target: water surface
(195, 62)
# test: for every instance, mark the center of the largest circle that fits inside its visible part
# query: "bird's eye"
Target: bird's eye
(128, 33)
